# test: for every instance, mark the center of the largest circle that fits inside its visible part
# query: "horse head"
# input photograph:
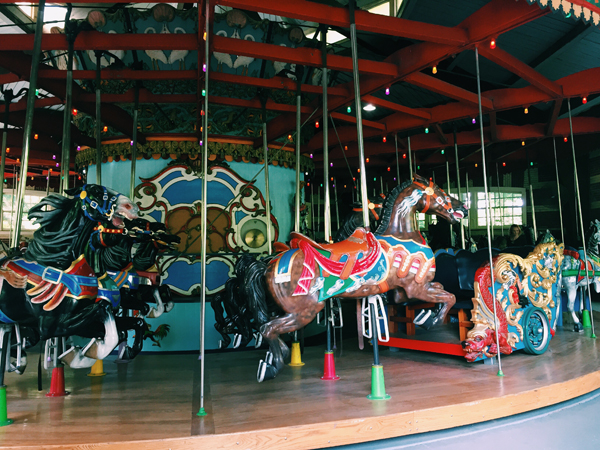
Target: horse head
(435, 201)
(101, 204)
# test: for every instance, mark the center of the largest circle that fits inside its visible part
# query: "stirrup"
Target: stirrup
(380, 316)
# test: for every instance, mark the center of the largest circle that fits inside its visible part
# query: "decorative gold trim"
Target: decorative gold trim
(172, 149)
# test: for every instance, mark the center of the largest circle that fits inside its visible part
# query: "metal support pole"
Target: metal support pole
(468, 201)
(462, 228)
(312, 211)
(98, 120)
(489, 215)
(136, 105)
(531, 196)
(267, 192)
(581, 218)
(410, 166)
(298, 126)
(318, 209)
(66, 139)
(337, 209)
(500, 200)
(204, 148)
(326, 200)
(359, 129)
(28, 127)
(48, 183)
(562, 231)
(7, 101)
(397, 159)
(375, 328)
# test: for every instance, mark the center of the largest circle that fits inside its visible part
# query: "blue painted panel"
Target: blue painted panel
(156, 215)
(169, 178)
(233, 183)
(239, 215)
(184, 275)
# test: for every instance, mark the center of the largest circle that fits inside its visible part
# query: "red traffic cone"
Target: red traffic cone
(57, 383)
(329, 372)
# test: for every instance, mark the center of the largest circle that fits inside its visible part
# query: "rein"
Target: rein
(430, 192)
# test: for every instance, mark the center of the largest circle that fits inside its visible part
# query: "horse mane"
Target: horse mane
(388, 206)
(350, 223)
(60, 232)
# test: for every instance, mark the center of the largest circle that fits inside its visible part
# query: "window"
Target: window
(30, 199)
(425, 220)
(507, 207)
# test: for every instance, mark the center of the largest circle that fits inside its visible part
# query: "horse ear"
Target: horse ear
(74, 192)
(419, 178)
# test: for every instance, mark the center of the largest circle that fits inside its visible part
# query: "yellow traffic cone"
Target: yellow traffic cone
(97, 369)
(296, 358)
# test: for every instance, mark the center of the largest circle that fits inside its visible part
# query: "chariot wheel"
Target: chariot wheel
(536, 331)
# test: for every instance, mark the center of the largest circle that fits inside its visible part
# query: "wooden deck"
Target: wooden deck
(152, 402)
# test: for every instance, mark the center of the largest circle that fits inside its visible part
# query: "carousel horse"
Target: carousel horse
(394, 257)
(51, 287)
(354, 220)
(116, 263)
(574, 274)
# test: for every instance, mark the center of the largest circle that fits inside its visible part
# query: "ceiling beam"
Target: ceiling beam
(301, 55)
(440, 134)
(449, 90)
(509, 62)
(365, 21)
(553, 117)
(396, 107)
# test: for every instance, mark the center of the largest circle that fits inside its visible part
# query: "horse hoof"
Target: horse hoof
(578, 328)
(257, 340)
(262, 369)
(237, 340)
(169, 306)
(269, 358)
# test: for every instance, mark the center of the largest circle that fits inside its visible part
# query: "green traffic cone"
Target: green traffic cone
(4, 420)
(377, 384)
(585, 316)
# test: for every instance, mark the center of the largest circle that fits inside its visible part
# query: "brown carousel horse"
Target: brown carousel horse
(394, 257)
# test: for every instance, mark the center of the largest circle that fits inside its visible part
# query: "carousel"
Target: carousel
(256, 224)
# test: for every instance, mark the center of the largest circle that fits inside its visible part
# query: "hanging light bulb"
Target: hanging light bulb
(426, 130)
(7, 149)
(330, 164)
(475, 164)
(311, 156)
(78, 148)
(523, 143)
(105, 129)
(387, 91)
(358, 170)
(35, 136)
(203, 92)
(443, 151)
(367, 159)
(345, 147)
(404, 155)
(204, 67)
(584, 100)
(289, 137)
(389, 169)
(74, 111)
(493, 44)
(317, 124)
(349, 109)
(384, 139)
(503, 164)
(474, 121)
(434, 70)
(565, 139)
(531, 163)
(526, 110)
(53, 156)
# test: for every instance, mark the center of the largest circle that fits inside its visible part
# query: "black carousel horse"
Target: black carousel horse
(51, 288)
(124, 253)
(354, 220)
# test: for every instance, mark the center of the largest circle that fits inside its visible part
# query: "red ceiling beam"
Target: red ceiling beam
(352, 119)
(553, 117)
(396, 107)
(39, 103)
(340, 17)
(94, 40)
(509, 62)
(9, 78)
(300, 55)
(449, 90)
(120, 74)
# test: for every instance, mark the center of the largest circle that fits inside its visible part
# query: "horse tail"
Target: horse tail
(254, 290)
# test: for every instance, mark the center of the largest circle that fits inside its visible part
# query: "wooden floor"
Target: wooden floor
(152, 402)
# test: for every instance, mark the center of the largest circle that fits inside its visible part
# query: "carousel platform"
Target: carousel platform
(152, 402)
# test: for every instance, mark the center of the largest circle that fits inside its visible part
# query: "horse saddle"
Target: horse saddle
(360, 244)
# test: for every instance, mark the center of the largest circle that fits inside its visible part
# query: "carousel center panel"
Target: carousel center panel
(152, 402)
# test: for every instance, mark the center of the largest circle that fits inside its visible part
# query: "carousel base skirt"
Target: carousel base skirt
(153, 402)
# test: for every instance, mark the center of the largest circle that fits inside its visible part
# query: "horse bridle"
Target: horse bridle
(372, 208)
(430, 192)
